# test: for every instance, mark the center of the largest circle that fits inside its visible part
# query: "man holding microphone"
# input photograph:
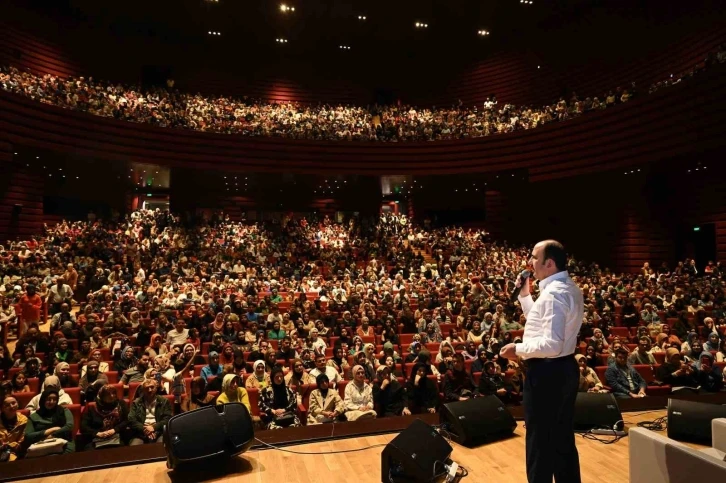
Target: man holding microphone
(551, 378)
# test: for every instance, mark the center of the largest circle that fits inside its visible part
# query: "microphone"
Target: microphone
(524, 276)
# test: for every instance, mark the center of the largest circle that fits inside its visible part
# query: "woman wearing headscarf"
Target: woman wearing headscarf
(423, 395)
(98, 357)
(414, 350)
(359, 396)
(708, 375)
(339, 362)
(51, 420)
(259, 379)
(712, 343)
(12, 427)
(232, 392)
(106, 419)
(478, 364)
(476, 334)
(157, 347)
(356, 346)
(227, 354)
(687, 345)
(63, 352)
(458, 384)
(162, 365)
(278, 403)
(199, 396)
(675, 372)
(471, 352)
(326, 405)
(589, 381)
(126, 360)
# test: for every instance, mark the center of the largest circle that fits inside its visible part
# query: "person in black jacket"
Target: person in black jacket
(708, 375)
(388, 395)
(675, 372)
(143, 430)
(491, 383)
(107, 418)
(458, 384)
(422, 393)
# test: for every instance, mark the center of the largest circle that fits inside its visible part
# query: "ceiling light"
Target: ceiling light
(362, 17)
(282, 41)
(345, 47)
(285, 8)
(421, 25)
(483, 33)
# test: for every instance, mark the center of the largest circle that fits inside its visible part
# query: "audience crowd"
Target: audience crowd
(307, 321)
(254, 117)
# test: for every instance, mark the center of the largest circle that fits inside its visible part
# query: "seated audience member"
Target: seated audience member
(12, 428)
(458, 384)
(157, 346)
(83, 354)
(491, 383)
(26, 354)
(89, 378)
(388, 394)
(421, 392)
(148, 414)
(214, 368)
(232, 392)
(589, 381)
(278, 404)
(445, 357)
(19, 383)
(326, 406)
(126, 359)
(321, 367)
(692, 356)
(479, 361)
(199, 396)
(713, 342)
(339, 362)
(358, 396)
(135, 373)
(298, 377)
(624, 381)
(98, 357)
(708, 375)
(642, 354)
(51, 420)
(63, 352)
(106, 422)
(259, 379)
(414, 350)
(51, 382)
(285, 352)
(63, 373)
(676, 372)
(721, 354)
(361, 360)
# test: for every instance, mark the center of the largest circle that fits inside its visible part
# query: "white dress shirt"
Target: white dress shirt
(553, 321)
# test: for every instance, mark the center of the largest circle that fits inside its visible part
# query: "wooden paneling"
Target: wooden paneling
(21, 197)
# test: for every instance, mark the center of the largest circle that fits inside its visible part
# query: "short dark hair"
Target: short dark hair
(644, 338)
(553, 250)
(622, 352)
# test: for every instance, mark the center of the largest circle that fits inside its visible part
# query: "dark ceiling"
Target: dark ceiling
(319, 27)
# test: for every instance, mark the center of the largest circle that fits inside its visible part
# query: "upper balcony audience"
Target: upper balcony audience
(253, 117)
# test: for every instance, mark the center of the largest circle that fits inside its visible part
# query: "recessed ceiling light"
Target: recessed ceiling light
(282, 41)
(285, 8)
(362, 17)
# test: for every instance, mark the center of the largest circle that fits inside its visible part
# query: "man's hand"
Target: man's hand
(278, 412)
(525, 286)
(432, 410)
(406, 412)
(501, 392)
(385, 383)
(509, 351)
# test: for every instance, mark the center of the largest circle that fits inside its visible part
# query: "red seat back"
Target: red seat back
(341, 388)
(254, 397)
(23, 398)
(74, 393)
(112, 377)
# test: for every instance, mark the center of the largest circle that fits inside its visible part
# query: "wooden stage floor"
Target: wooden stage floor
(498, 461)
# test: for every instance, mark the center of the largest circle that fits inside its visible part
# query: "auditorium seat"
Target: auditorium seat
(23, 398)
(659, 357)
(622, 332)
(112, 376)
(34, 385)
(74, 393)
(648, 374)
(254, 397)
(341, 388)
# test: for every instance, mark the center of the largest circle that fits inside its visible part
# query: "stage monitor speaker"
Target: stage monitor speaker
(597, 411)
(691, 421)
(416, 454)
(208, 432)
(477, 421)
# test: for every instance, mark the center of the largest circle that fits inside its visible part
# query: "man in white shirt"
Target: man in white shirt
(59, 293)
(179, 335)
(321, 367)
(552, 377)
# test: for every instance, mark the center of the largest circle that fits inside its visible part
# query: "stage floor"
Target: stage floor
(499, 461)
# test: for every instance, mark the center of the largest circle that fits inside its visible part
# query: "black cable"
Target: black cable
(660, 424)
(616, 437)
(272, 446)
